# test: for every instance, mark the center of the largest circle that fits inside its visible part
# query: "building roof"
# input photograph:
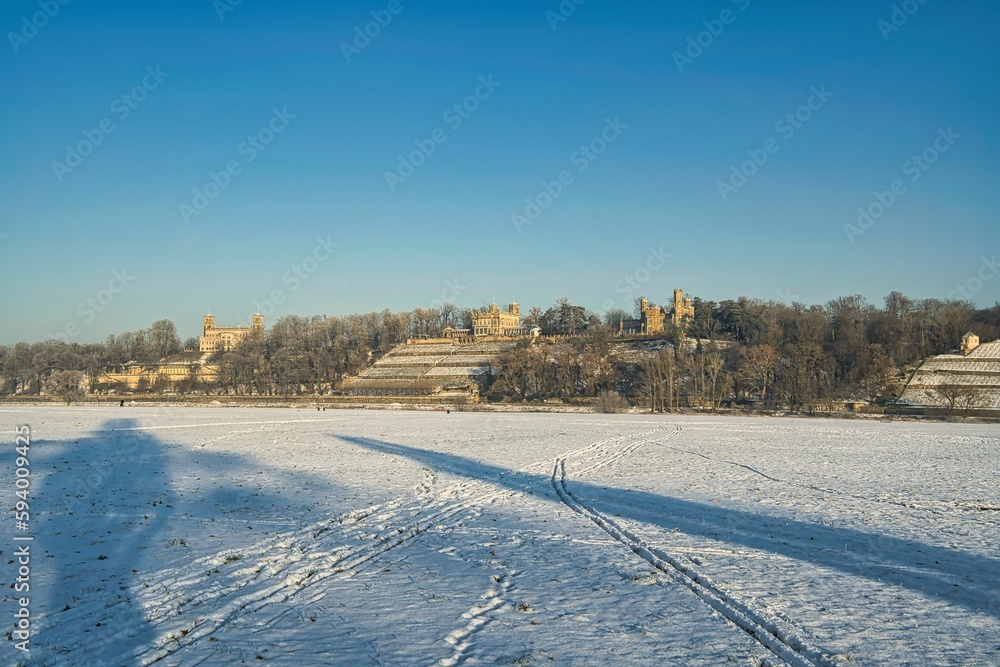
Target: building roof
(986, 351)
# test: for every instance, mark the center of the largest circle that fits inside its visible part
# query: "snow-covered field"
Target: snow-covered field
(218, 536)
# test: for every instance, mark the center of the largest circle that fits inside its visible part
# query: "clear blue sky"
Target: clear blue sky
(448, 228)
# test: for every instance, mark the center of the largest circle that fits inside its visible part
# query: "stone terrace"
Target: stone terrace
(419, 368)
(980, 369)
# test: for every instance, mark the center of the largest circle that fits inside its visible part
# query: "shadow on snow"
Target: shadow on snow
(944, 573)
(117, 487)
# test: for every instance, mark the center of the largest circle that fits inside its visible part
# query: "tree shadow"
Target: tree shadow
(114, 510)
(925, 568)
(97, 544)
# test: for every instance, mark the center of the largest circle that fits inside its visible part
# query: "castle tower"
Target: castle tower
(683, 310)
(258, 322)
(514, 308)
(970, 341)
(209, 323)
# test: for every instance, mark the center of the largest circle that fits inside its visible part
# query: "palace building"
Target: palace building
(652, 319)
(225, 339)
(169, 374)
(495, 322)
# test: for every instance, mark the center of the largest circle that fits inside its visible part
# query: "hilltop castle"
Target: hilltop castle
(224, 339)
(651, 318)
(683, 310)
(495, 322)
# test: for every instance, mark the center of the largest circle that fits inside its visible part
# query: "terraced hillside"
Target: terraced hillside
(424, 368)
(979, 370)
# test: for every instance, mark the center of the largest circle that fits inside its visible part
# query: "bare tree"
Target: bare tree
(959, 398)
(610, 402)
(948, 395)
(716, 381)
(162, 339)
(758, 365)
(65, 385)
(878, 376)
(660, 380)
(650, 375)
(971, 399)
(448, 316)
(615, 315)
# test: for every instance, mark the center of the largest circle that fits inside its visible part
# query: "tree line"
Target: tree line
(749, 351)
(744, 350)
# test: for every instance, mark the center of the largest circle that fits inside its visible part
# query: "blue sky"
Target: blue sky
(330, 122)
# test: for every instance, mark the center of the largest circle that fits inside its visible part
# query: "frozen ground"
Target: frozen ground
(218, 536)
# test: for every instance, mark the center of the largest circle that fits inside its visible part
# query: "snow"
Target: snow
(211, 536)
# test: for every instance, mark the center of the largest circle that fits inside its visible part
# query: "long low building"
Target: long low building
(973, 376)
(182, 370)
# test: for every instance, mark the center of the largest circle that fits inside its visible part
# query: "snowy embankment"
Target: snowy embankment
(200, 536)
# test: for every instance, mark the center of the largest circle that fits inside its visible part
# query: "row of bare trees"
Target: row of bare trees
(556, 370)
(959, 399)
(26, 367)
(764, 353)
(711, 374)
(749, 351)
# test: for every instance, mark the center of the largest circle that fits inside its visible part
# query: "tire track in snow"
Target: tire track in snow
(812, 487)
(604, 461)
(237, 582)
(479, 615)
(290, 557)
(282, 576)
(230, 434)
(773, 634)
